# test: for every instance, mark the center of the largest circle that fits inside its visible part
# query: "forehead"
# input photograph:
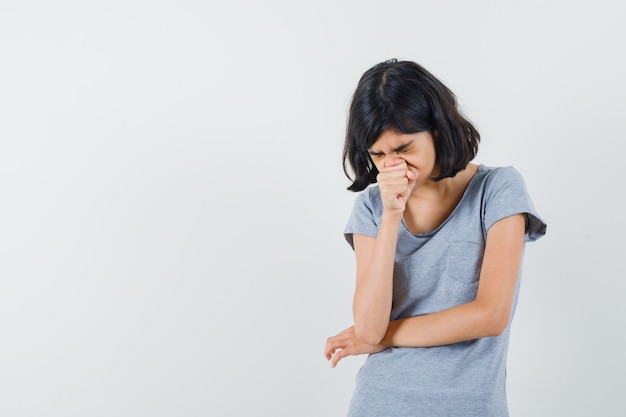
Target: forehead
(390, 139)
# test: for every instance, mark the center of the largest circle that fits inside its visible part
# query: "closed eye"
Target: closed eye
(402, 149)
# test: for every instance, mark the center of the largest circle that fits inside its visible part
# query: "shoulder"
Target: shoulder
(365, 215)
(504, 193)
(495, 178)
(501, 174)
(369, 197)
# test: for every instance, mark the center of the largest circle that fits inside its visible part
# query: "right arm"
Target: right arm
(374, 280)
(375, 257)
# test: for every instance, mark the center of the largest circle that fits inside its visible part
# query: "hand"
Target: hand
(346, 344)
(396, 182)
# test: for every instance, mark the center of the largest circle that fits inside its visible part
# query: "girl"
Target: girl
(438, 244)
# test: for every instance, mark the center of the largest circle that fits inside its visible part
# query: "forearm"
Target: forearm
(374, 288)
(458, 324)
(489, 313)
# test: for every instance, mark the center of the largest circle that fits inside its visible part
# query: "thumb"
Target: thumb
(412, 176)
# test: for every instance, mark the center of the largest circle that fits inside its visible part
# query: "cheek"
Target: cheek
(426, 161)
(379, 165)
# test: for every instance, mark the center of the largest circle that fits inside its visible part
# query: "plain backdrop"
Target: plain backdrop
(172, 200)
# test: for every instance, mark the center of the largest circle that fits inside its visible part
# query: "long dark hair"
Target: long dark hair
(403, 96)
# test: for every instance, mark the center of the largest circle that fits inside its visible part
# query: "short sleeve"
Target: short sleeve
(362, 220)
(505, 196)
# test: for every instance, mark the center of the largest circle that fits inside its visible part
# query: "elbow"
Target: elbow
(369, 335)
(495, 322)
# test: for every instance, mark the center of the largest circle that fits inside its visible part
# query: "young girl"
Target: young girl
(438, 244)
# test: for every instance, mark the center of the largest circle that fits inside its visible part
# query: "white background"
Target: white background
(172, 201)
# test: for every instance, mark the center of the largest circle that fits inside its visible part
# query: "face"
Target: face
(416, 149)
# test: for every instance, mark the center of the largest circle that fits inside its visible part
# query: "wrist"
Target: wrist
(392, 215)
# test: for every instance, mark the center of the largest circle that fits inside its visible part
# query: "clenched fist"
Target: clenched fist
(396, 182)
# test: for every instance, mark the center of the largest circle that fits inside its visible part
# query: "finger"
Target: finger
(412, 177)
(334, 343)
(329, 354)
(389, 163)
(339, 356)
(397, 178)
(394, 165)
(329, 349)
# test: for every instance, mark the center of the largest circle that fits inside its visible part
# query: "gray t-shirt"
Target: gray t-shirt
(433, 272)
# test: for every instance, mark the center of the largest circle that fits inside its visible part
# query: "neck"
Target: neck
(440, 190)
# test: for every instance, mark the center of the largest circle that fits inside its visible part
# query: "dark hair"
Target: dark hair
(403, 96)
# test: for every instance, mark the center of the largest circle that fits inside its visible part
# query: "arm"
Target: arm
(373, 294)
(375, 256)
(489, 313)
(372, 297)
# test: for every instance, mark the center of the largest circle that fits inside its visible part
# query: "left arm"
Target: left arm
(487, 315)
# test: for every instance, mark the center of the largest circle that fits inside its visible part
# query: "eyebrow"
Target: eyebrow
(398, 149)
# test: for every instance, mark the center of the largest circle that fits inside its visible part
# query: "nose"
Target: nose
(393, 160)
